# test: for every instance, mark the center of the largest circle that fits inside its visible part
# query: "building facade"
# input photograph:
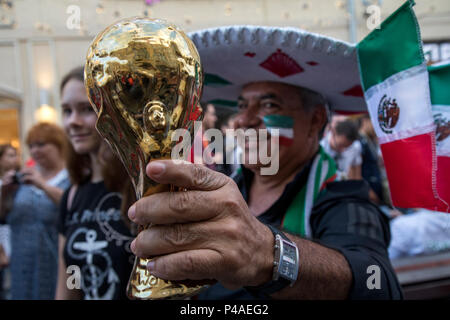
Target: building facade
(41, 40)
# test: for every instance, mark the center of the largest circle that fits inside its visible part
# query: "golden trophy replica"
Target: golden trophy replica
(144, 79)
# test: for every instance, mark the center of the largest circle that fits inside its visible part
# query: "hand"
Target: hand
(204, 233)
(8, 177)
(34, 177)
(8, 190)
(394, 213)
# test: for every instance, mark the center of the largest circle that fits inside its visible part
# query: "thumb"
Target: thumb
(186, 175)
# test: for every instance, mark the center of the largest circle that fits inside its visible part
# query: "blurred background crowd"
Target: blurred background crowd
(46, 123)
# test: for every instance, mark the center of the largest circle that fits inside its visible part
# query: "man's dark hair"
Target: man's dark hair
(348, 129)
(359, 120)
(310, 100)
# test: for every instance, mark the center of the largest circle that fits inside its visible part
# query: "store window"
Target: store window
(9, 127)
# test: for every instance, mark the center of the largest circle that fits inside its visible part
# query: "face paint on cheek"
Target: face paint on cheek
(283, 124)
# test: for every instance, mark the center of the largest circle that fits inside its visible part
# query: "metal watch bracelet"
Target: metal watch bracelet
(285, 266)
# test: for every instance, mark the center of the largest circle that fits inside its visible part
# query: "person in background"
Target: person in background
(94, 237)
(341, 143)
(33, 214)
(370, 167)
(209, 122)
(9, 160)
(420, 232)
(210, 117)
(230, 149)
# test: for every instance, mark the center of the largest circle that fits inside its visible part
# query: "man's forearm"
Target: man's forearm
(323, 273)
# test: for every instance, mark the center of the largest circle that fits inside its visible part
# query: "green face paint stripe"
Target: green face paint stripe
(278, 121)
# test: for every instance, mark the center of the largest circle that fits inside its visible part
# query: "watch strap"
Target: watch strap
(265, 290)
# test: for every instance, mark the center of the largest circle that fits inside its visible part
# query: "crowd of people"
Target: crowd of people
(74, 205)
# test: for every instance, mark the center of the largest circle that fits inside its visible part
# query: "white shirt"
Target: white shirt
(347, 158)
(421, 232)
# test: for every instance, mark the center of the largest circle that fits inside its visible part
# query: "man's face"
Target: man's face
(339, 142)
(269, 98)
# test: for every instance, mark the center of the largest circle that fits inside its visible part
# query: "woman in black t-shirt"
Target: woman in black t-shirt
(95, 260)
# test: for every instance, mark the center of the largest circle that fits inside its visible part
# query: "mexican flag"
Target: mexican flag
(440, 107)
(394, 78)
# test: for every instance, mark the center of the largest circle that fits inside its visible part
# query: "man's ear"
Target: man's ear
(318, 120)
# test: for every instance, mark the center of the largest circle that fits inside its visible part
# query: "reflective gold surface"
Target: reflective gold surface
(144, 79)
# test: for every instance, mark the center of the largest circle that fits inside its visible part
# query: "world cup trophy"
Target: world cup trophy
(144, 79)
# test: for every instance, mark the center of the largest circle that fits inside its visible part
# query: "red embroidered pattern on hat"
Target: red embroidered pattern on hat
(250, 54)
(312, 63)
(355, 91)
(281, 64)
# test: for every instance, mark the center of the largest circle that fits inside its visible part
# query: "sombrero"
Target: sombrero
(236, 55)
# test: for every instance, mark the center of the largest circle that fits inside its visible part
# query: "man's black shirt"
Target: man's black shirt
(343, 219)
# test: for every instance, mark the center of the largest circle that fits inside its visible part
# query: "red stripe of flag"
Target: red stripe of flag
(443, 182)
(409, 168)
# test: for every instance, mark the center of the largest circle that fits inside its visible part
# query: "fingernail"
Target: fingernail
(133, 246)
(151, 265)
(132, 212)
(156, 168)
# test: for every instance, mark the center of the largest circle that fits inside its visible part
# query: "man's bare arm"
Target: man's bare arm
(323, 273)
(209, 233)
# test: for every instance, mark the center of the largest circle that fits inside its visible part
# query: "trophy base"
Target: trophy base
(145, 286)
(142, 285)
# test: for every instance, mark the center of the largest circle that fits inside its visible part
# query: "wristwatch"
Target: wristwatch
(285, 266)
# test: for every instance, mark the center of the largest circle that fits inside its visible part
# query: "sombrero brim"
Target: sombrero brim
(237, 55)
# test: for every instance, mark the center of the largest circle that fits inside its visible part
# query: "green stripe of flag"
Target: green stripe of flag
(440, 84)
(395, 47)
(278, 121)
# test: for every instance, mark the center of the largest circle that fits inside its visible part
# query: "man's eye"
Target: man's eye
(241, 106)
(66, 111)
(270, 105)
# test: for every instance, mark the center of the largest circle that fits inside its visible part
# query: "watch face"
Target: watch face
(288, 263)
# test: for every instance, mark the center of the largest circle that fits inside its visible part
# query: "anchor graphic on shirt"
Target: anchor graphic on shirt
(92, 247)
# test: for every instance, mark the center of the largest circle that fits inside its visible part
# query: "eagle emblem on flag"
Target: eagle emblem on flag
(442, 127)
(388, 114)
